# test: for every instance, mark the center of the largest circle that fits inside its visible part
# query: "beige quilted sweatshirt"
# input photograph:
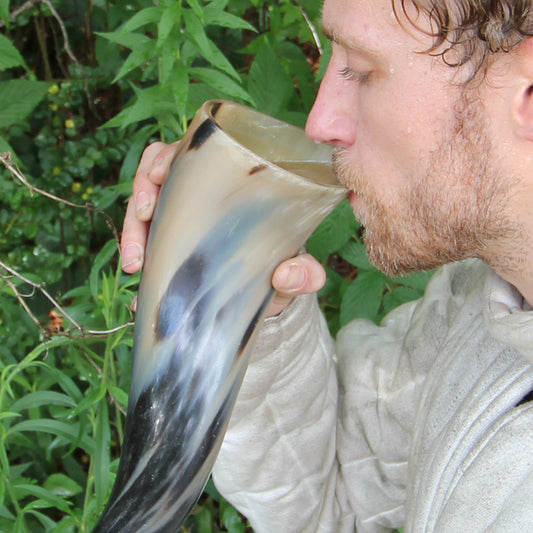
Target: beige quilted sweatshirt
(416, 423)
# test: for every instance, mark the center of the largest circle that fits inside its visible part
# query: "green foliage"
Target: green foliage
(85, 87)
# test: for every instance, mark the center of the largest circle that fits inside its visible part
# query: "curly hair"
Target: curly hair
(470, 31)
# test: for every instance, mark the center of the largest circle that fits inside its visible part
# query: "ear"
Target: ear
(523, 101)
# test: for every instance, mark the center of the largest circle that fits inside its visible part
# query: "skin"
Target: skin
(439, 171)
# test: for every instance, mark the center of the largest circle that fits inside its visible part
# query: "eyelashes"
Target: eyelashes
(358, 77)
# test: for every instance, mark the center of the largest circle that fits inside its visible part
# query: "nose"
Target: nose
(331, 120)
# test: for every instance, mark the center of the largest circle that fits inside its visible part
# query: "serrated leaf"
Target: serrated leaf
(333, 232)
(362, 298)
(399, 296)
(9, 56)
(355, 253)
(220, 82)
(268, 83)
(19, 97)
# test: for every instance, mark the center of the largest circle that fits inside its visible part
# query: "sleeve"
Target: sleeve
(277, 463)
(309, 452)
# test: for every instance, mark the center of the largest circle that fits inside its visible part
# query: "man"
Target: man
(422, 422)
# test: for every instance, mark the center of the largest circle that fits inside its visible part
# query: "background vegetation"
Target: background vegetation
(85, 85)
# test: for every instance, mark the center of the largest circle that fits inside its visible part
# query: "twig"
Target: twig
(312, 27)
(23, 303)
(15, 13)
(63, 30)
(7, 161)
(84, 332)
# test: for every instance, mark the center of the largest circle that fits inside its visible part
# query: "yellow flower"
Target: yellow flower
(89, 190)
(76, 186)
(70, 124)
(53, 89)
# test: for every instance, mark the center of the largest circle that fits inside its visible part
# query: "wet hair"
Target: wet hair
(470, 32)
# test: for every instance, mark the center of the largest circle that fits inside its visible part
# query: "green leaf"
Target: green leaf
(355, 253)
(69, 432)
(140, 56)
(208, 48)
(220, 82)
(269, 85)
(128, 40)
(9, 55)
(333, 232)
(22, 490)
(171, 18)
(4, 12)
(399, 296)
(42, 398)
(101, 458)
(19, 97)
(100, 261)
(62, 485)
(362, 298)
(216, 15)
(145, 16)
(197, 8)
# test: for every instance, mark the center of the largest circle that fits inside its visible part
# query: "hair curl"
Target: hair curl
(471, 31)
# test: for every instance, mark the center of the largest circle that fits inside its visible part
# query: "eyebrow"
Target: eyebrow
(347, 42)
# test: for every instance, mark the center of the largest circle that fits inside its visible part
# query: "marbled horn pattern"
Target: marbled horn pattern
(225, 219)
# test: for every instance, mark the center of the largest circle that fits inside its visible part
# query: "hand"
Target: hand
(151, 173)
(300, 275)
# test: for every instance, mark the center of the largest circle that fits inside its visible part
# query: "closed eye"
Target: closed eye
(359, 77)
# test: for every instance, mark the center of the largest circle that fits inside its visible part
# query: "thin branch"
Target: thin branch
(312, 27)
(23, 303)
(63, 30)
(83, 332)
(7, 161)
(15, 13)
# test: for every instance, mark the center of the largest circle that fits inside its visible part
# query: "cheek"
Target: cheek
(398, 129)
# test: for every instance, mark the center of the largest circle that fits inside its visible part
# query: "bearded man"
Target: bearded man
(423, 422)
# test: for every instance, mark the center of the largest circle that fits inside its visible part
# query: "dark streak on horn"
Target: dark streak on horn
(256, 169)
(204, 131)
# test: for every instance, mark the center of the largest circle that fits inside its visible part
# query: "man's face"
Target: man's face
(412, 145)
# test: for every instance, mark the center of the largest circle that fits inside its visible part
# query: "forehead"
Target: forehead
(369, 24)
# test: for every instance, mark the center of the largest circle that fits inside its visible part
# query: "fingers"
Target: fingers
(300, 275)
(151, 173)
(133, 241)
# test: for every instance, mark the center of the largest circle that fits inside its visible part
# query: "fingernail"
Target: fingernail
(295, 278)
(131, 254)
(142, 202)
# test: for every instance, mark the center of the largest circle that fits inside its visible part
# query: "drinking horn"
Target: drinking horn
(244, 193)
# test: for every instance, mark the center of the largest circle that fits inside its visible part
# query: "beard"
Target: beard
(455, 207)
